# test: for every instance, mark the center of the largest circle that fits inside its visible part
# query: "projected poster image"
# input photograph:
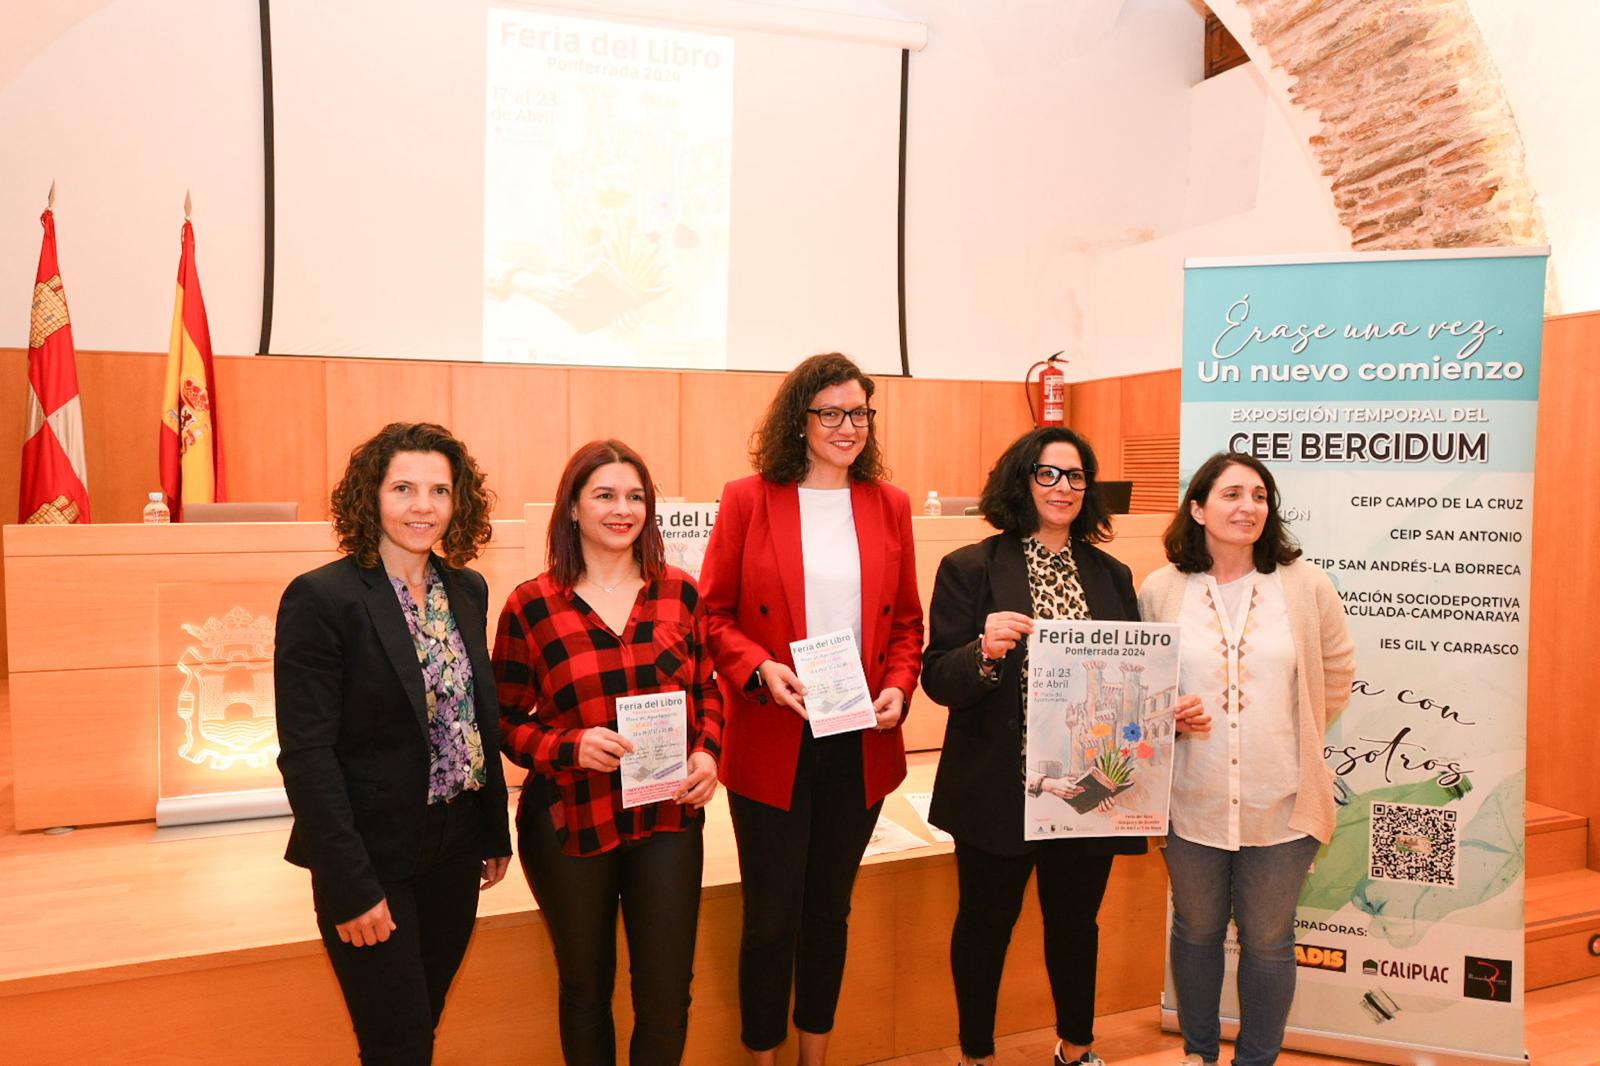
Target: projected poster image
(608, 167)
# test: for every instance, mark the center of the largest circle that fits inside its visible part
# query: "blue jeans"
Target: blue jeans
(1258, 888)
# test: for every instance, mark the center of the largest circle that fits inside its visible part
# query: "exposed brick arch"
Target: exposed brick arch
(1402, 107)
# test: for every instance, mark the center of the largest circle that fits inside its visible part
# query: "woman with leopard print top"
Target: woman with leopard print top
(1043, 563)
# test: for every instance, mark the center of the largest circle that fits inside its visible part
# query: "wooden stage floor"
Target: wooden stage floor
(136, 945)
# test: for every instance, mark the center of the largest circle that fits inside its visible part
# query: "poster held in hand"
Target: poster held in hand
(837, 698)
(658, 726)
(1100, 729)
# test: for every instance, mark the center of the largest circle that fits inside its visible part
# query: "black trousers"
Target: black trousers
(797, 869)
(1070, 886)
(657, 881)
(395, 990)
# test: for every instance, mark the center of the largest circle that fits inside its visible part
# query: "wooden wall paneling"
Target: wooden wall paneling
(363, 397)
(716, 415)
(79, 764)
(1151, 463)
(273, 415)
(1136, 541)
(1150, 404)
(1004, 417)
(934, 435)
(638, 407)
(121, 396)
(935, 538)
(504, 564)
(13, 431)
(883, 401)
(5, 655)
(514, 421)
(1563, 671)
(1096, 415)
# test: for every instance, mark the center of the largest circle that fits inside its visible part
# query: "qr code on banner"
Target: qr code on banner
(1413, 844)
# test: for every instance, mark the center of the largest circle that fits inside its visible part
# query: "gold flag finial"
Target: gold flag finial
(50, 201)
(186, 205)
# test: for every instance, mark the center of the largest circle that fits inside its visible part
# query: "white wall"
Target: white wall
(1252, 191)
(1010, 193)
(1040, 134)
(1064, 158)
(1546, 56)
(125, 104)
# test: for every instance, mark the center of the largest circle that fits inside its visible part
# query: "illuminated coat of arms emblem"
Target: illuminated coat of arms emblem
(226, 703)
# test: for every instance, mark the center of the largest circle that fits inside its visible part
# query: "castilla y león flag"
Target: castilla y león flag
(191, 450)
(55, 486)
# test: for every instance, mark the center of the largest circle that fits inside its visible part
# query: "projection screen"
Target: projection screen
(602, 186)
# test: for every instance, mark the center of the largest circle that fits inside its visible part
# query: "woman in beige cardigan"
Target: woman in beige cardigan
(1266, 663)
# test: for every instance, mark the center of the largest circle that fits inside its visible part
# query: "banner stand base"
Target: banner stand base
(1319, 1042)
(221, 807)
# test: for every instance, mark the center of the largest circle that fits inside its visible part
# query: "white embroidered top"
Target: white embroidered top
(1235, 786)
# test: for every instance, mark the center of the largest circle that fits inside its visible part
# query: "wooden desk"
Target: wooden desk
(84, 625)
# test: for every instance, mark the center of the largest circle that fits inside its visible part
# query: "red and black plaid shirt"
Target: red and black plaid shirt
(560, 670)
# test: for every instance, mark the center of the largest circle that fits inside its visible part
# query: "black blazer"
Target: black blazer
(353, 729)
(977, 794)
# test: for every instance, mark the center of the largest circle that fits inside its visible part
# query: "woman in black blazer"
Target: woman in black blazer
(388, 726)
(1043, 564)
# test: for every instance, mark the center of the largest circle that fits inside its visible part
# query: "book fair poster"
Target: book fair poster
(608, 175)
(1394, 396)
(685, 532)
(657, 724)
(1100, 729)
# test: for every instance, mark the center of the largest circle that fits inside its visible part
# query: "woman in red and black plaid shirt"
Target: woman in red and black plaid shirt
(609, 619)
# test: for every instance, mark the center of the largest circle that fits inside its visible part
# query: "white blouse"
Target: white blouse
(1235, 786)
(831, 558)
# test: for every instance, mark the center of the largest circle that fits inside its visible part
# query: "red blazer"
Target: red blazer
(753, 586)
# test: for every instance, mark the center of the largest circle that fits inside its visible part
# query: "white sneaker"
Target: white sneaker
(1195, 1060)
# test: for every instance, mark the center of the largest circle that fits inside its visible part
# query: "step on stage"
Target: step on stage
(131, 944)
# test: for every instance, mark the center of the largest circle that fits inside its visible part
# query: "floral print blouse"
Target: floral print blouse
(455, 747)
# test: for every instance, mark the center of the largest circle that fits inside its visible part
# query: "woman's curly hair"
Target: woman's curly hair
(1007, 500)
(778, 446)
(357, 522)
(1185, 539)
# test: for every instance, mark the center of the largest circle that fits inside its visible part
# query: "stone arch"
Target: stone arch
(1401, 106)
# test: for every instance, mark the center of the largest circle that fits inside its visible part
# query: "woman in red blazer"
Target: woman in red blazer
(813, 543)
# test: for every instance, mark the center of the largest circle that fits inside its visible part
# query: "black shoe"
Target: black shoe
(1089, 1058)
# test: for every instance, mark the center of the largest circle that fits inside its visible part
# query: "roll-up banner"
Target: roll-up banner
(1394, 396)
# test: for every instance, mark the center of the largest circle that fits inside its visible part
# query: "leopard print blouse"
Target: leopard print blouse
(1057, 594)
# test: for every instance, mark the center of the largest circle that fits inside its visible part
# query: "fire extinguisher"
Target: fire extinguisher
(1052, 388)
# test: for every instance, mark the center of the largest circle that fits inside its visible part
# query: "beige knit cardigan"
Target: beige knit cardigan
(1325, 664)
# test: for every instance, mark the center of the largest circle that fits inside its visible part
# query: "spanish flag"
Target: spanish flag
(191, 450)
(54, 481)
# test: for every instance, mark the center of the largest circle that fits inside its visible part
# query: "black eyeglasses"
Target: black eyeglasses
(1047, 475)
(833, 417)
